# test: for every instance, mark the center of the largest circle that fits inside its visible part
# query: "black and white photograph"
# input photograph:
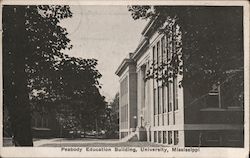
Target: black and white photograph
(126, 79)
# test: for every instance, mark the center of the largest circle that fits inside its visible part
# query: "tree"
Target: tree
(207, 51)
(72, 92)
(32, 41)
(110, 119)
(81, 92)
(114, 117)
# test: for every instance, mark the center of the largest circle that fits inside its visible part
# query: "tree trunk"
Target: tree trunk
(16, 97)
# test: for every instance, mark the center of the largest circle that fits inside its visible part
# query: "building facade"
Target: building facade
(163, 112)
(45, 125)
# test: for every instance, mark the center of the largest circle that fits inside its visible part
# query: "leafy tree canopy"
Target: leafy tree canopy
(38, 72)
(211, 46)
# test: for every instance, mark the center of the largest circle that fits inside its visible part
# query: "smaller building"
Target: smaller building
(45, 125)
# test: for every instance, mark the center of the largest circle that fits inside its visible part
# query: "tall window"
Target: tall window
(159, 136)
(176, 137)
(164, 137)
(159, 62)
(169, 137)
(159, 100)
(170, 85)
(158, 52)
(170, 96)
(124, 103)
(163, 47)
(155, 102)
(164, 99)
(154, 55)
(155, 136)
(175, 93)
(154, 89)
(143, 84)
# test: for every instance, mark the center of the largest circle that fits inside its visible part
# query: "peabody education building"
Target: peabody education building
(150, 111)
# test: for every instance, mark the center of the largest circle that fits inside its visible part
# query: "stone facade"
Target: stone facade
(164, 114)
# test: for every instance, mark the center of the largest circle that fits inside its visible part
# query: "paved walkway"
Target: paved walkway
(40, 142)
(73, 141)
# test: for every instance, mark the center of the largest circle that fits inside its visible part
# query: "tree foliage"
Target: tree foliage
(48, 79)
(67, 85)
(111, 118)
(211, 45)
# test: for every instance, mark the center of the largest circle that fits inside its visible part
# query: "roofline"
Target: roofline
(149, 24)
(142, 45)
(123, 65)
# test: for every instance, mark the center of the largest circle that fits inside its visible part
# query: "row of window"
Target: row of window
(124, 86)
(41, 122)
(124, 117)
(124, 91)
(165, 96)
(166, 137)
(124, 103)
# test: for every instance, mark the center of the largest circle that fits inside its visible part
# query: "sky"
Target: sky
(106, 33)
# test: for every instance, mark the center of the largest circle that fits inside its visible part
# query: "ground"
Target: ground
(87, 142)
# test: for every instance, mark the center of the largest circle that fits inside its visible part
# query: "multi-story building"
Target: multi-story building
(169, 114)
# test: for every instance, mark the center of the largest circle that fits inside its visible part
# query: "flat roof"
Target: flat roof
(123, 66)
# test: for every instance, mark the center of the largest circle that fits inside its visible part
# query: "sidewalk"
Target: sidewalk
(44, 141)
(63, 140)
(73, 141)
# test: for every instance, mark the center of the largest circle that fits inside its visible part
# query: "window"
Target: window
(155, 136)
(154, 55)
(155, 102)
(149, 136)
(159, 58)
(124, 86)
(163, 47)
(167, 46)
(170, 47)
(170, 96)
(158, 52)
(124, 116)
(159, 136)
(169, 137)
(175, 93)
(159, 100)
(143, 84)
(176, 137)
(164, 137)
(164, 99)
